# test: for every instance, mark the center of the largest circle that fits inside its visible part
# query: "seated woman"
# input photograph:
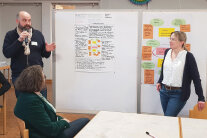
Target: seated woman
(4, 84)
(38, 114)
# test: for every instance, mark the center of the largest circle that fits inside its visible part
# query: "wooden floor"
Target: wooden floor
(12, 128)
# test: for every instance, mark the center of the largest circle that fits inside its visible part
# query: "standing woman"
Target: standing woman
(37, 113)
(179, 68)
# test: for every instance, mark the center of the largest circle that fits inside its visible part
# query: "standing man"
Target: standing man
(25, 46)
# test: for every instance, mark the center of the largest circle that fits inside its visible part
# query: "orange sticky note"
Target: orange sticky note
(185, 28)
(187, 46)
(147, 53)
(147, 31)
(148, 76)
(89, 41)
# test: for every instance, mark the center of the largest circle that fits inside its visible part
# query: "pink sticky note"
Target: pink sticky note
(160, 51)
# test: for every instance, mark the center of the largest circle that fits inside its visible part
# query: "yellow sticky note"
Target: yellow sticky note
(159, 63)
(165, 32)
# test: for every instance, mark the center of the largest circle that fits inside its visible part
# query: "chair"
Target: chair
(3, 109)
(198, 114)
(23, 131)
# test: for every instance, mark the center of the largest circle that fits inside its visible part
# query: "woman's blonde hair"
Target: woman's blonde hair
(181, 37)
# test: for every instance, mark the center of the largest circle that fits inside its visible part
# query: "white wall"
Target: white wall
(155, 4)
(119, 4)
(46, 17)
(46, 9)
(178, 4)
(164, 4)
(41, 20)
(8, 20)
(193, 4)
(47, 32)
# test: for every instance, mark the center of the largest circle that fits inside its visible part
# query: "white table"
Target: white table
(194, 128)
(130, 125)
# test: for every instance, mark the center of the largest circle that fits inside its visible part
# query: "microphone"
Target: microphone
(26, 38)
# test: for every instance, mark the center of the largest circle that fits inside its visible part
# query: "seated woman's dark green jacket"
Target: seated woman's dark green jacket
(39, 117)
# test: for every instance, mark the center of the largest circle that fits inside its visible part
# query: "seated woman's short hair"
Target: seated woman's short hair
(30, 80)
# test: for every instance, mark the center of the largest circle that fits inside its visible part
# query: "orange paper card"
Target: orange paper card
(147, 53)
(185, 28)
(148, 76)
(148, 31)
(187, 46)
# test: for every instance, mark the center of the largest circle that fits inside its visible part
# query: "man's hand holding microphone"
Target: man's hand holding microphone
(24, 36)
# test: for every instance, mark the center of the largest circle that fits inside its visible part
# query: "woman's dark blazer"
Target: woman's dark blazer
(190, 73)
(39, 117)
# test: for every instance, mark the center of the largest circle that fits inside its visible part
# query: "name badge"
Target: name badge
(34, 43)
